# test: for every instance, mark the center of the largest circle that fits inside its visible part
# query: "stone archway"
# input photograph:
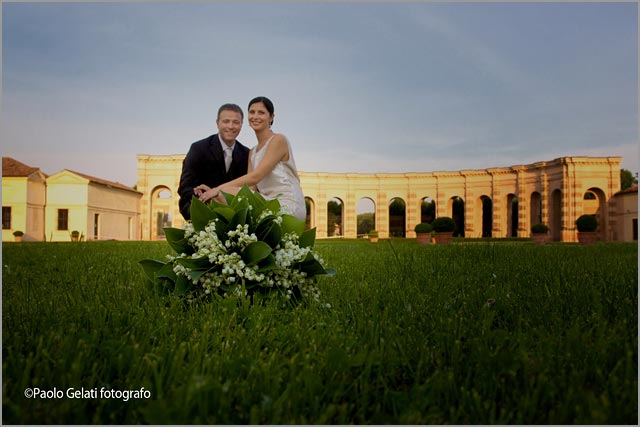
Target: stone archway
(535, 209)
(366, 216)
(595, 203)
(532, 184)
(512, 215)
(555, 217)
(427, 210)
(485, 212)
(161, 211)
(335, 217)
(310, 220)
(456, 207)
(397, 217)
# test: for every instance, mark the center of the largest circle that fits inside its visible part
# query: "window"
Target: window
(96, 226)
(63, 219)
(6, 217)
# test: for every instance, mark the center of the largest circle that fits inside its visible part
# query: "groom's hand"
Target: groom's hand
(201, 189)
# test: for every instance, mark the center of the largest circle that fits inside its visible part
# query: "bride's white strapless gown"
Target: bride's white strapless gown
(281, 183)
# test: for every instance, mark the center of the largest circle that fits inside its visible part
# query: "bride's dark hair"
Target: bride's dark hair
(267, 103)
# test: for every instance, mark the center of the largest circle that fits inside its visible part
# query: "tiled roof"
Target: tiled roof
(104, 182)
(13, 168)
(632, 189)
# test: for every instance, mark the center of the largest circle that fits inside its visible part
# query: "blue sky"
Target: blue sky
(358, 87)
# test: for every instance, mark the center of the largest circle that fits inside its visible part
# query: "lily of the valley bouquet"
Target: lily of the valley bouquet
(243, 248)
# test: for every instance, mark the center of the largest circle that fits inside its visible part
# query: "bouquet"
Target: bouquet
(243, 248)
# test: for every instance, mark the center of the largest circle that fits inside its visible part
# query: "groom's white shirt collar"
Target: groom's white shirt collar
(224, 146)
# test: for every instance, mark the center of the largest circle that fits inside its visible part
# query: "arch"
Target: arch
(397, 217)
(163, 193)
(310, 218)
(427, 209)
(161, 211)
(366, 216)
(535, 211)
(532, 184)
(485, 209)
(512, 215)
(456, 207)
(594, 203)
(555, 217)
(335, 217)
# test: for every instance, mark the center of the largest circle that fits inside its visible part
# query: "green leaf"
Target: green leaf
(291, 224)
(244, 197)
(308, 238)
(228, 197)
(150, 267)
(177, 241)
(166, 272)
(201, 263)
(197, 274)
(269, 231)
(267, 264)
(240, 218)
(224, 213)
(256, 252)
(160, 275)
(200, 214)
(183, 285)
(273, 205)
(312, 268)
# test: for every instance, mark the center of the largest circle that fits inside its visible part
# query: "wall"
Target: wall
(626, 212)
(116, 208)
(26, 196)
(561, 184)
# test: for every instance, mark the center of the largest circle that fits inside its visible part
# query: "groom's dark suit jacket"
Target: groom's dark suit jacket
(204, 164)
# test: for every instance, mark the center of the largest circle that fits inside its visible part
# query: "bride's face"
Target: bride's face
(259, 117)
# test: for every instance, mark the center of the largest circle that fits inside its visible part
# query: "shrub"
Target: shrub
(587, 223)
(373, 233)
(18, 233)
(75, 234)
(443, 224)
(539, 228)
(423, 227)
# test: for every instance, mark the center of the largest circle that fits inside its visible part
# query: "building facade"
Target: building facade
(495, 202)
(625, 219)
(23, 200)
(51, 208)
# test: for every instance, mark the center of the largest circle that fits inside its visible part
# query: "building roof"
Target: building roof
(13, 168)
(104, 182)
(632, 189)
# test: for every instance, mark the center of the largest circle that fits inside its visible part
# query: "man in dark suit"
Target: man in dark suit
(216, 159)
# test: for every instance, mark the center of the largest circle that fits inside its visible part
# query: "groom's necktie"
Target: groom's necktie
(228, 156)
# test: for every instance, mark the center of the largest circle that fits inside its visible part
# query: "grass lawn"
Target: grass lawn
(483, 333)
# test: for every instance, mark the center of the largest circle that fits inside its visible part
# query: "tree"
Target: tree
(397, 207)
(334, 217)
(627, 179)
(366, 222)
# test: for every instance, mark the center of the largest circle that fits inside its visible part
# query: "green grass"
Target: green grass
(482, 333)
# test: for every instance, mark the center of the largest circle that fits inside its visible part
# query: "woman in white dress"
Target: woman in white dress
(272, 169)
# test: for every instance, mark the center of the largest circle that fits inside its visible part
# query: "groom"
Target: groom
(216, 159)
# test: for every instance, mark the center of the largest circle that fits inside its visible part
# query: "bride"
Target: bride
(271, 170)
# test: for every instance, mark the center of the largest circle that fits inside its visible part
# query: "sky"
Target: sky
(359, 87)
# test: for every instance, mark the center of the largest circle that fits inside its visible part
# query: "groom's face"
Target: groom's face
(229, 125)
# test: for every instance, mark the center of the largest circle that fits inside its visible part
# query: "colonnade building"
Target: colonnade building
(494, 202)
